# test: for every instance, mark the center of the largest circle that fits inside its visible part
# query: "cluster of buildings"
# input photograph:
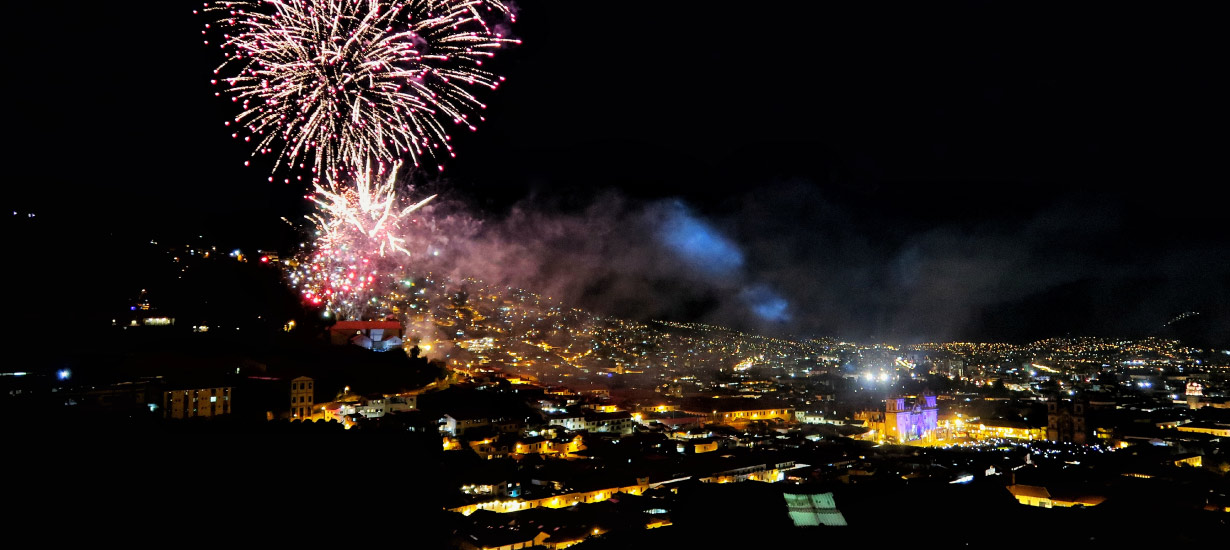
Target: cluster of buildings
(556, 419)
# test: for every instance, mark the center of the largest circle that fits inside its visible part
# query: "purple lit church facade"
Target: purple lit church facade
(910, 419)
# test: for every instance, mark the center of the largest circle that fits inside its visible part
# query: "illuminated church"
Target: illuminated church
(910, 419)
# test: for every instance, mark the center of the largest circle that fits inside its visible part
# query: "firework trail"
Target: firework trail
(360, 248)
(342, 82)
(366, 216)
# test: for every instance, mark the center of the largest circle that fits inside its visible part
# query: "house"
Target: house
(565, 536)
(698, 446)
(458, 422)
(373, 335)
(1035, 495)
(612, 422)
(377, 406)
(500, 539)
(494, 447)
(768, 472)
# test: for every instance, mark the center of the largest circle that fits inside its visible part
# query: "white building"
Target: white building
(612, 422)
(378, 407)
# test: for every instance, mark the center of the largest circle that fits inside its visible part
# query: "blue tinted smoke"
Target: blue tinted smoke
(697, 243)
(766, 303)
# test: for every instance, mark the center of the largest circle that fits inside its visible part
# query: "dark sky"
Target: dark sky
(872, 170)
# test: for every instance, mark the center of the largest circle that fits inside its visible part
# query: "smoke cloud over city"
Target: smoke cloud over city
(789, 260)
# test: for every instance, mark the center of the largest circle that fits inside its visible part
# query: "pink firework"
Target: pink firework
(340, 83)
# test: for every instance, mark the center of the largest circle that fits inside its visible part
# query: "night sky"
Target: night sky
(870, 171)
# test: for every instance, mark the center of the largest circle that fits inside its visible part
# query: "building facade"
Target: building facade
(302, 398)
(377, 407)
(1004, 429)
(199, 402)
(1221, 429)
(910, 420)
(613, 422)
(561, 500)
(740, 412)
(1065, 421)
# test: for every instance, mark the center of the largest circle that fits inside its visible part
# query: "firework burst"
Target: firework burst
(367, 216)
(360, 247)
(341, 82)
